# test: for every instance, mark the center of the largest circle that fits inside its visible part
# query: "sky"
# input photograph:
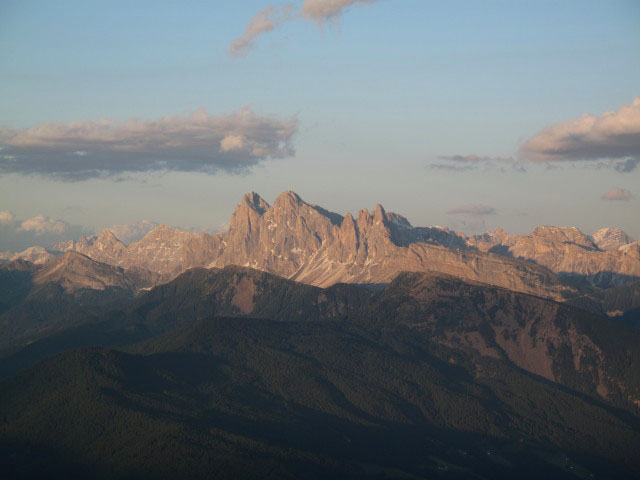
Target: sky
(467, 114)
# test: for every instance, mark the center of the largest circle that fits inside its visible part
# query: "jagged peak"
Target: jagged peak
(611, 238)
(255, 202)
(612, 231)
(287, 199)
(107, 236)
(348, 219)
(379, 214)
(398, 219)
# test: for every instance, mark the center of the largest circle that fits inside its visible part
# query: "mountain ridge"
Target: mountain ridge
(308, 243)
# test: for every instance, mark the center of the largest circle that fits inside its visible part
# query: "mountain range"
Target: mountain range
(304, 344)
(240, 372)
(309, 244)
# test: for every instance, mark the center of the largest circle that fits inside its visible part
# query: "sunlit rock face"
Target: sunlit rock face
(310, 244)
(604, 260)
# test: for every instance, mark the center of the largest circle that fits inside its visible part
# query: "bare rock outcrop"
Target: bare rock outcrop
(568, 252)
(36, 255)
(74, 271)
(305, 242)
(611, 238)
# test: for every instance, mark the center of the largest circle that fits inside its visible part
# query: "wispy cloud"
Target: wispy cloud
(272, 16)
(106, 148)
(627, 166)
(472, 217)
(264, 21)
(322, 10)
(461, 163)
(618, 194)
(612, 135)
(472, 209)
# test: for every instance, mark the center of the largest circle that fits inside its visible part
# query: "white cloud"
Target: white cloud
(6, 217)
(618, 194)
(264, 21)
(612, 135)
(322, 10)
(16, 235)
(41, 225)
(232, 142)
(106, 148)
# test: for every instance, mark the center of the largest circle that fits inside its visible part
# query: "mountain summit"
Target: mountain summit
(307, 243)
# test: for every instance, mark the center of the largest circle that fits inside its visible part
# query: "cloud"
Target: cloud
(232, 142)
(16, 235)
(473, 159)
(472, 217)
(132, 232)
(461, 163)
(618, 194)
(264, 21)
(271, 17)
(41, 225)
(612, 135)
(451, 168)
(627, 166)
(198, 142)
(6, 217)
(472, 209)
(322, 10)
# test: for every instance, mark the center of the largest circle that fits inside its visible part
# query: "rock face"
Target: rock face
(104, 247)
(611, 238)
(35, 255)
(307, 243)
(74, 271)
(164, 251)
(570, 253)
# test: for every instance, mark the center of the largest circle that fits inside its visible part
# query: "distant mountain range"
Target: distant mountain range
(309, 244)
(305, 344)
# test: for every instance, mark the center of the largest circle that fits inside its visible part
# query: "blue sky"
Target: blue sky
(377, 95)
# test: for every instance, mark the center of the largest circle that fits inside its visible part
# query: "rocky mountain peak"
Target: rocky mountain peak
(36, 255)
(611, 238)
(248, 212)
(74, 271)
(255, 202)
(109, 244)
(106, 236)
(20, 265)
(563, 235)
(288, 200)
